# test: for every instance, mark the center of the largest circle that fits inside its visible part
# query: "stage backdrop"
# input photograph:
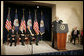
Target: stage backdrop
(46, 12)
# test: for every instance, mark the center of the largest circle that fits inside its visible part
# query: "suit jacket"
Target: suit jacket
(54, 24)
(73, 33)
(27, 32)
(11, 33)
(20, 32)
(33, 31)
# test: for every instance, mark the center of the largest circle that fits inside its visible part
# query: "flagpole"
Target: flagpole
(8, 10)
(8, 13)
(16, 11)
(29, 12)
(35, 14)
(23, 13)
(41, 13)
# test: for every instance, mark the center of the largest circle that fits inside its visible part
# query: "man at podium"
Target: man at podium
(59, 34)
(57, 21)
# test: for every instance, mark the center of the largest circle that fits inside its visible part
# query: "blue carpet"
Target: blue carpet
(71, 52)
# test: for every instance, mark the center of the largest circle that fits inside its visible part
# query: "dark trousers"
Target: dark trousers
(37, 39)
(53, 43)
(30, 39)
(22, 39)
(73, 38)
(12, 40)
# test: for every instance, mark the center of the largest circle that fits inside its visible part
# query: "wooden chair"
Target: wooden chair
(18, 39)
(33, 39)
(26, 39)
(78, 40)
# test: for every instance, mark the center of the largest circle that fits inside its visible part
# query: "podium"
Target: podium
(59, 36)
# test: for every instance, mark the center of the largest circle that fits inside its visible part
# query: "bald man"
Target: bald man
(74, 34)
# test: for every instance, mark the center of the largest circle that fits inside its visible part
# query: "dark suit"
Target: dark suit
(37, 37)
(22, 37)
(74, 36)
(30, 36)
(10, 35)
(54, 26)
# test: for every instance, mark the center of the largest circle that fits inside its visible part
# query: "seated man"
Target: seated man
(74, 34)
(12, 34)
(29, 32)
(22, 35)
(37, 35)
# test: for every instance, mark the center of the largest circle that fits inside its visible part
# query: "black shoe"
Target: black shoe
(36, 44)
(30, 43)
(23, 44)
(11, 45)
(15, 44)
(74, 44)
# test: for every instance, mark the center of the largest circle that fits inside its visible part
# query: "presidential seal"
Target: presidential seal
(62, 27)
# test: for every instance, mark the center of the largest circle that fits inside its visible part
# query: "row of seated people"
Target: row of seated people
(21, 33)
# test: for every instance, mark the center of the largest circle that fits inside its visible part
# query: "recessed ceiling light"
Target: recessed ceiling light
(37, 6)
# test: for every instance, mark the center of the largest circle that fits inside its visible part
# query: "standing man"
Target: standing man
(57, 21)
(74, 34)
(12, 34)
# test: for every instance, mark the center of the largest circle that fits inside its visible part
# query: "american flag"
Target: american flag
(36, 27)
(23, 24)
(8, 25)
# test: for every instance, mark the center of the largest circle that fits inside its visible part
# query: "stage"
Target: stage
(43, 47)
